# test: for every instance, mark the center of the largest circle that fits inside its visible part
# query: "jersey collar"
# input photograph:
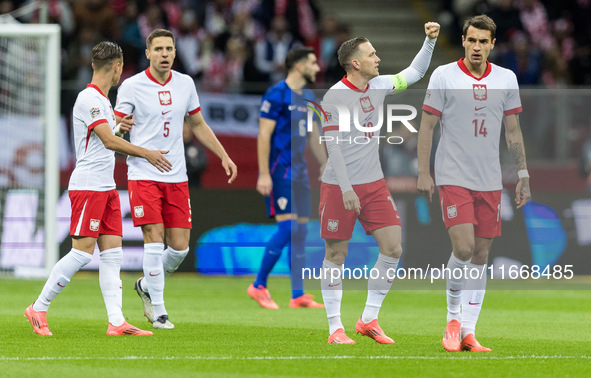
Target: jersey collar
(467, 71)
(353, 87)
(149, 74)
(97, 88)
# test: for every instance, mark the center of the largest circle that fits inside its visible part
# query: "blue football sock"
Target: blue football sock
(273, 251)
(297, 258)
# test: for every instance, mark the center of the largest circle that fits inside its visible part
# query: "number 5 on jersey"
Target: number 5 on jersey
(167, 129)
(479, 131)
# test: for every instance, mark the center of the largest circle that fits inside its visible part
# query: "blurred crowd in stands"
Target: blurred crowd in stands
(240, 45)
(226, 45)
(545, 42)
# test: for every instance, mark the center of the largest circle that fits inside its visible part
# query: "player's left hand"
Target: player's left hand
(230, 168)
(432, 30)
(522, 192)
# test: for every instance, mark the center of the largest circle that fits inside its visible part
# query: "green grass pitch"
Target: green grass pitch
(221, 332)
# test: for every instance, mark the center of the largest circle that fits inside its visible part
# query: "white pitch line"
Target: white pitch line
(221, 358)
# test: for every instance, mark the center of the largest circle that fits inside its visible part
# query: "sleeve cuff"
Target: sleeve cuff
(513, 111)
(96, 123)
(431, 110)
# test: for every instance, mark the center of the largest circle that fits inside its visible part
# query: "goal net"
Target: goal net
(29, 166)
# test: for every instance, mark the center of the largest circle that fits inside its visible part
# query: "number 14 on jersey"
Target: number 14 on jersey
(479, 129)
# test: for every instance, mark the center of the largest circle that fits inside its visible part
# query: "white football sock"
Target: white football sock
(154, 276)
(110, 283)
(171, 259)
(472, 298)
(60, 276)
(455, 285)
(332, 294)
(378, 287)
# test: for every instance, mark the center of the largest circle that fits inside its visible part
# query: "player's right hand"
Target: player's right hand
(351, 201)
(126, 123)
(264, 185)
(425, 185)
(432, 30)
(157, 159)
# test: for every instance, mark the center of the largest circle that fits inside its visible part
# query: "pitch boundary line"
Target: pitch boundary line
(263, 358)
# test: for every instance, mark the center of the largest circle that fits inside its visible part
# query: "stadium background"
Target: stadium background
(227, 46)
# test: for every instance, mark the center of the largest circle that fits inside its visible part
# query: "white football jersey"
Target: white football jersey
(95, 164)
(158, 111)
(471, 112)
(359, 148)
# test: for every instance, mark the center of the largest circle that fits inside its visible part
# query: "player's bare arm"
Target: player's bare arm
(517, 150)
(432, 30)
(206, 136)
(111, 142)
(317, 148)
(264, 181)
(425, 184)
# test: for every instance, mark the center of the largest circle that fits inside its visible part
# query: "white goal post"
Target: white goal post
(49, 49)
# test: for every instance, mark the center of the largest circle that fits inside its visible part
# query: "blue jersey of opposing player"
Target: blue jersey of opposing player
(288, 141)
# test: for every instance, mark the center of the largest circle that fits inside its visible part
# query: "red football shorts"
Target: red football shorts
(95, 213)
(483, 209)
(377, 210)
(160, 202)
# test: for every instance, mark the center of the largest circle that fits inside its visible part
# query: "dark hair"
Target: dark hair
(104, 53)
(482, 22)
(296, 55)
(348, 49)
(158, 33)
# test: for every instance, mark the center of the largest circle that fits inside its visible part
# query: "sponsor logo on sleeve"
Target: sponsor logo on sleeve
(266, 106)
(95, 112)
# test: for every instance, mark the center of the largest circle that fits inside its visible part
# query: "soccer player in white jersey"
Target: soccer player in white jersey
(96, 214)
(159, 100)
(353, 185)
(471, 98)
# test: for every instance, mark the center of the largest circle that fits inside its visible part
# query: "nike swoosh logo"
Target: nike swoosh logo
(163, 112)
(60, 285)
(330, 285)
(473, 303)
(477, 109)
(154, 275)
(390, 281)
(454, 290)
